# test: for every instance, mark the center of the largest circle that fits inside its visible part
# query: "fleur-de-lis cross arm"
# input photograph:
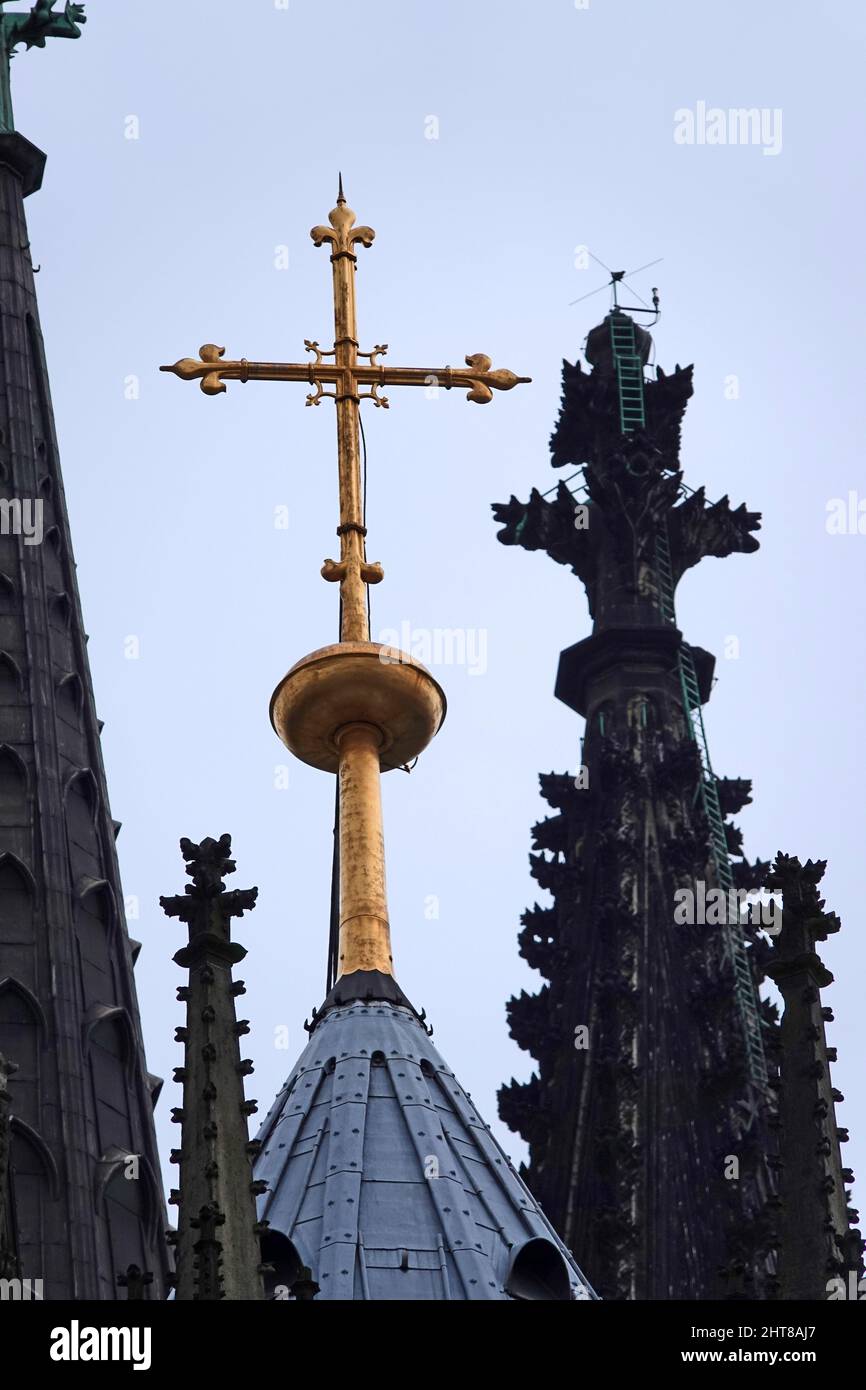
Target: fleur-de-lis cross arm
(353, 376)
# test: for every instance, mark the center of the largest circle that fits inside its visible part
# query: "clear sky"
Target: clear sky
(555, 129)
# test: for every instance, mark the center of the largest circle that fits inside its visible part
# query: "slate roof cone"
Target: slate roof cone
(383, 1178)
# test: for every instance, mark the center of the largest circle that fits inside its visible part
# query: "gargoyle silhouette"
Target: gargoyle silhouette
(42, 23)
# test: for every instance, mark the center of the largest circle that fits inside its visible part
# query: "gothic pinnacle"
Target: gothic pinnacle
(215, 1198)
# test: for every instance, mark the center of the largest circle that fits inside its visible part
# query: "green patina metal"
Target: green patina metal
(32, 27)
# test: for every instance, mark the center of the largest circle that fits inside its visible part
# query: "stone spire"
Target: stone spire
(85, 1167)
(217, 1240)
(648, 1032)
(817, 1242)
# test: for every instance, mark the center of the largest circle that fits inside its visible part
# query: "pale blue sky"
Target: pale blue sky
(556, 128)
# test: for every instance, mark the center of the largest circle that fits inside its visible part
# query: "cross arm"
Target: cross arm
(213, 371)
(476, 376)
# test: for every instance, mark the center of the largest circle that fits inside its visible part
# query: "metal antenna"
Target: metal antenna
(618, 277)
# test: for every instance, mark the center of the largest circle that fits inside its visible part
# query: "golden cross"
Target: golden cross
(347, 374)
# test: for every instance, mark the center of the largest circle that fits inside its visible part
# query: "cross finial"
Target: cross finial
(347, 369)
(356, 707)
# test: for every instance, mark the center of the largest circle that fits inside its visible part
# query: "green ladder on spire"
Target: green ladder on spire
(629, 371)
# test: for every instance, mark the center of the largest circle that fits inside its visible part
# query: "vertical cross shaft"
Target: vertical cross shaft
(354, 624)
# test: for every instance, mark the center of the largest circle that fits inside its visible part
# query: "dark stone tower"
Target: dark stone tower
(654, 1132)
(85, 1191)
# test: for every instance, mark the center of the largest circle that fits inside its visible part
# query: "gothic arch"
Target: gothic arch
(11, 679)
(60, 608)
(10, 864)
(537, 1271)
(110, 1170)
(14, 778)
(288, 1267)
(83, 780)
(96, 924)
(22, 1034)
(101, 889)
(52, 535)
(111, 1021)
(71, 691)
(29, 1138)
(11, 986)
(641, 712)
(602, 718)
(18, 898)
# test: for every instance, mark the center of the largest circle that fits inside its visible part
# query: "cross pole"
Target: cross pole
(347, 375)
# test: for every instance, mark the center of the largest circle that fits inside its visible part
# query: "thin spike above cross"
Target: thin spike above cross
(347, 375)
